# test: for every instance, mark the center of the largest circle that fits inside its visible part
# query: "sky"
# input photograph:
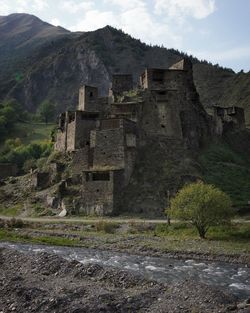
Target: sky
(215, 30)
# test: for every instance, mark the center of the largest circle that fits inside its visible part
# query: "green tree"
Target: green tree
(201, 204)
(47, 111)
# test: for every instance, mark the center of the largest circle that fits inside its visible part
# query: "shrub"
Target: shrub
(2, 223)
(47, 111)
(140, 227)
(14, 223)
(29, 164)
(106, 227)
(21, 153)
(202, 205)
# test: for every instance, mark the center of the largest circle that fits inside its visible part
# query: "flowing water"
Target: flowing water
(233, 277)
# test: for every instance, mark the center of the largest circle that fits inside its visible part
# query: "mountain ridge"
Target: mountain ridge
(65, 60)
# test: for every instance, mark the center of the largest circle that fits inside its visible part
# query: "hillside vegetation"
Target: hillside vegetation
(226, 165)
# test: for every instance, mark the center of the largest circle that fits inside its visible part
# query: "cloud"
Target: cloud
(95, 19)
(55, 21)
(31, 6)
(198, 9)
(4, 8)
(137, 22)
(126, 4)
(76, 7)
(39, 5)
(141, 24)
(224, 55)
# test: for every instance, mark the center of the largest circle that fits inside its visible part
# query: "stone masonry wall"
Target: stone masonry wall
(101, 191)
(161, 118)
(97, 193)
(7, 170)
(121, 83)
(88, 99)
(109, 148)
(71, 131)
(82, 131)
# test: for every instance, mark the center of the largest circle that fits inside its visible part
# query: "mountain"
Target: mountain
(20, 36)
(48, 62)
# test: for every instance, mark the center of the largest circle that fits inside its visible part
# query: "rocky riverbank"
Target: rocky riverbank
(45, 282)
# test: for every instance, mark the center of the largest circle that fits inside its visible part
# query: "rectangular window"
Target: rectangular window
(101, 176)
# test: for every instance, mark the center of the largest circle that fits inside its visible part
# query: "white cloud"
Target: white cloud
(55, 21)
(95, 19)
(31, 6)
(76, 7)
(225, 54)
(198, 9)
(141, 24)
(126, 4)
(39, 5)
(137, 22)
(4, 8)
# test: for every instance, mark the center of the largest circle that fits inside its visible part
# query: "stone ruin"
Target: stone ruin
(103, 135)
(7, 170)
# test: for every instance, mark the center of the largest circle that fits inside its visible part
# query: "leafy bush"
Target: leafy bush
(47, 111)
(29, 164)
(20, 154)
(202, 205)
(10, 112)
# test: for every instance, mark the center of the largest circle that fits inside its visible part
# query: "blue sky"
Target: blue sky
(215, 30)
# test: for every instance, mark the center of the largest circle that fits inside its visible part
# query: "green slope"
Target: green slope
(227, 167)
(30, 133)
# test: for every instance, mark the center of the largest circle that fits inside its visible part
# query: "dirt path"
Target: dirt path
(96, 219)
(87, 220)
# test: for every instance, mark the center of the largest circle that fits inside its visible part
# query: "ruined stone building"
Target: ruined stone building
(7, 169)
(103, 136)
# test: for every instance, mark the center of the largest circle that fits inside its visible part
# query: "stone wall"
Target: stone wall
(160, 79)
(40, 180)
(114, 145)
(7, 169)
(80, 160)
(228, 119)
(126, 110)
(60, 144)
(172, 108)
(75, 133)
(161, 118)
(109, 150)
(100, 190)
(121, 83)
(84, 124)
(88, 99)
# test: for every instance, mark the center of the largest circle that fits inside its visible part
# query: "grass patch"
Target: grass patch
(12, 236)
(179, 230)
(180, 237)
(106, 227)
(227, 170)
(232, 232)
(11, 211)
(30, 133)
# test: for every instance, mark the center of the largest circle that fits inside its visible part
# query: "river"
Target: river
(229, 277)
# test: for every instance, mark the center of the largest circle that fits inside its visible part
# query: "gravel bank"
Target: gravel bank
(48, 283)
